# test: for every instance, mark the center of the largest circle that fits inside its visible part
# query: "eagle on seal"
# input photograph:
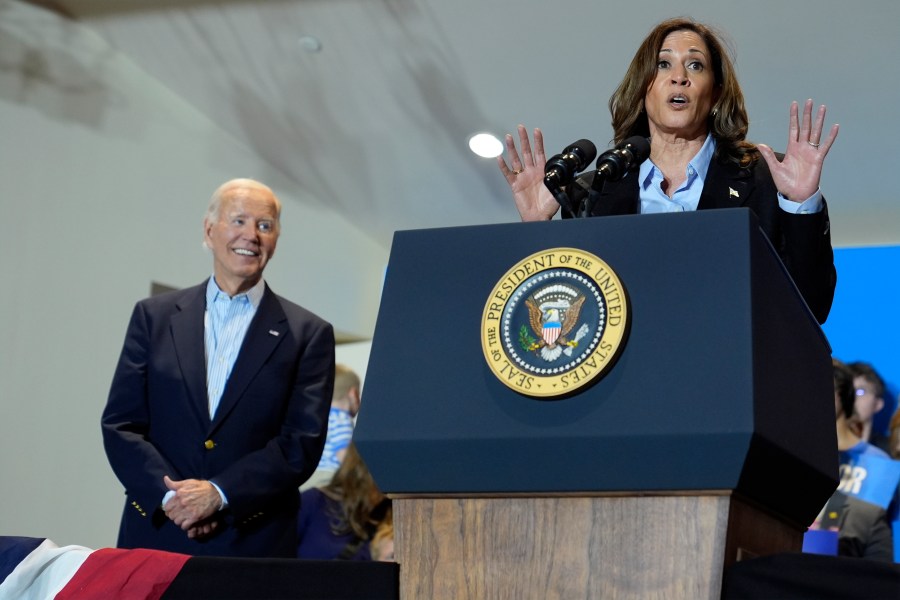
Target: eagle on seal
(552, 323)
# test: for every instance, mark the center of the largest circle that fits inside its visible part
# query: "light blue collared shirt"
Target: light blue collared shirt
(225, 324)
(687, 197)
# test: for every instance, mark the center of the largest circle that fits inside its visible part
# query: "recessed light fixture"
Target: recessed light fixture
(486, 145)
(310, 43)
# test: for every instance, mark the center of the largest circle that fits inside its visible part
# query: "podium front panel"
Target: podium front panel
(714, 319)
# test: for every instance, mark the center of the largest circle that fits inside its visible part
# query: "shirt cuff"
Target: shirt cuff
(167, 497)
(811, 205)
(224, 500)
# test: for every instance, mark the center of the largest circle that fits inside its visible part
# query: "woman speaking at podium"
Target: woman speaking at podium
(681, 92)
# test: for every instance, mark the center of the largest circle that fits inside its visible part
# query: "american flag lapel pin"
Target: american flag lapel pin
(733, 192)
(273, 332)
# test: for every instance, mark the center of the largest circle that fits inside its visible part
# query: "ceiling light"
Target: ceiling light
(486, 145)
(310, 43)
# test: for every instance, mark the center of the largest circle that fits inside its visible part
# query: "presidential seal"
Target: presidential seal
(554, 322)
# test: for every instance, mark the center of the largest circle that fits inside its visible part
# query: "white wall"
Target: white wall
(355, 356)
(104, 178)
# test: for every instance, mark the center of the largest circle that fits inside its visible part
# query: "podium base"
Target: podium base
(660, 546)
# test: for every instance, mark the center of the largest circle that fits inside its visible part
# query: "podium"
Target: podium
(709, 438)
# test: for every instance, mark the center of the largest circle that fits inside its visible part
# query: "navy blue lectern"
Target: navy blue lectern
(711, 436)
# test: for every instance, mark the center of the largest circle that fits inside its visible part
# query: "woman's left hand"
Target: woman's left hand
(797, 175)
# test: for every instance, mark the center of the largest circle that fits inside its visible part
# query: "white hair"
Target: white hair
(215, 202)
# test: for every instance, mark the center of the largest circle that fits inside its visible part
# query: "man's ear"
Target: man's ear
(207, 227)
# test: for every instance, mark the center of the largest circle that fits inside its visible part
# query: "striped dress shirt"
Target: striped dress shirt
(225, 323)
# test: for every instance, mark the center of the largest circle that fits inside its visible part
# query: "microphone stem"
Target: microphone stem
(594, 191)
(561, 197)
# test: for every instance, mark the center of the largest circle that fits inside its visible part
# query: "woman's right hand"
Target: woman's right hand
(525, 176)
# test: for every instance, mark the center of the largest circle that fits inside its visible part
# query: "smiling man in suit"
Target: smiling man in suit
(219, 404)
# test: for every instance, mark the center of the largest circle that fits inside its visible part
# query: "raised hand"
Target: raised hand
(525, 176)
(797, 175)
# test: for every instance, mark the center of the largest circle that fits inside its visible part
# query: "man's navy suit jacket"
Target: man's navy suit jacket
(266, 437)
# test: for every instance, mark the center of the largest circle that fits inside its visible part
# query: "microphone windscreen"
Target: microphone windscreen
(639, 146)
(584, 149)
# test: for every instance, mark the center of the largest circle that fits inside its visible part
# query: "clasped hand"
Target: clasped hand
(194, 502)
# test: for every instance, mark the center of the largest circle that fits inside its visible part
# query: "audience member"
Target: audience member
(869, 390)
(339, 520)
(844, 404)
(344, 407)
(862, 527)
(382, 544)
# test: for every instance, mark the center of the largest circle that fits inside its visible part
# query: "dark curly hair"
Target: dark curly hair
(868, 372)
(843, 386)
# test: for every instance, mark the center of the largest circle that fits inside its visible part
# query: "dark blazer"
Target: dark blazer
(265, 440)
(802, 241)
(863, 528)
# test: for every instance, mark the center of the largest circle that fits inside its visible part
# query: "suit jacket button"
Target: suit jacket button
(209, 444)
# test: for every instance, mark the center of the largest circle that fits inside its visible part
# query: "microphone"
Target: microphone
(613, 164)
(561, 169)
